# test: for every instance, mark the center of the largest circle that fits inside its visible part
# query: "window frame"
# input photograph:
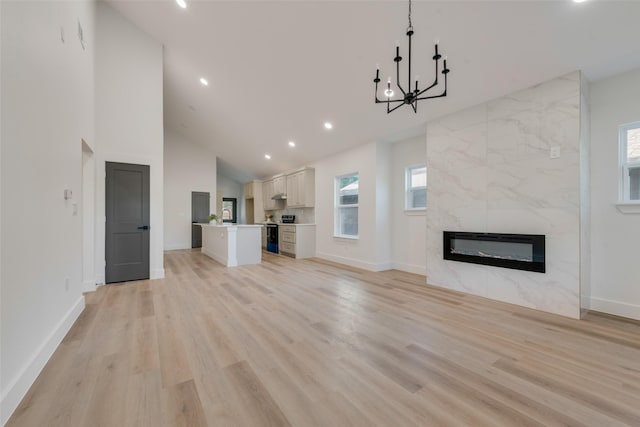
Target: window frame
(338, 206)
(624, 186)
(234, 213)
(408, 189)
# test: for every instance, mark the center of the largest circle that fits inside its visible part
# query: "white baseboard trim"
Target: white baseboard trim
(347, 261)
(157, 273)
(618, 308)
(89, 285)
(23, 380)
(585, 302)
(383, 266)
(410, 268)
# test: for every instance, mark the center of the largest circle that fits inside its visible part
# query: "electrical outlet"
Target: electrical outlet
(554, 152)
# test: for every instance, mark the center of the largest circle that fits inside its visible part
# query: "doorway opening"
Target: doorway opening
(199, 215)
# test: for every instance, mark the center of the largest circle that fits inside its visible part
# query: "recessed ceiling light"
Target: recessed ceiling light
(292, 144)
(182, 3)
(204, 81)
(579, 1)
(266, 156)
(328, 125)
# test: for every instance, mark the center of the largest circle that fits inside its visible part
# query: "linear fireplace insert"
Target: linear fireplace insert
(517, 251)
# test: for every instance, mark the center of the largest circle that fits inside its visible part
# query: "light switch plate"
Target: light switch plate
(554, 152)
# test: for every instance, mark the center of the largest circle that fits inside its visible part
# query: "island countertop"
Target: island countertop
(230, 225)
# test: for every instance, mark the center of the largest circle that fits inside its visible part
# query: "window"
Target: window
(229, 209)
(346, 202)
(630, 162)
(416, 187)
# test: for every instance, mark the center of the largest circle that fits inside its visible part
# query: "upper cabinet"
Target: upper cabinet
(248, 190)
(301, 192)
(271, 188)
(280, 185)
(299, 188)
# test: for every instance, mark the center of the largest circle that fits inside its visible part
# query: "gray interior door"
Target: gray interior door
(127, 226)
(199, 214)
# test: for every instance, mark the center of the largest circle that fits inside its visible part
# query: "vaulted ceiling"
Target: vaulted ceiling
(277, 70)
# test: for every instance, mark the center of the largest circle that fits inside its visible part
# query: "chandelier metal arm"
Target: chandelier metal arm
(395, 108)
(393, 101)
(444, 93)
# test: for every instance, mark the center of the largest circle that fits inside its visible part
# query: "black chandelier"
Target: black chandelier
(410, 97)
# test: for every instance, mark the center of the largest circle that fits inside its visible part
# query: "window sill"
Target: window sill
(346, 237)
(628, 207)
(416, 212)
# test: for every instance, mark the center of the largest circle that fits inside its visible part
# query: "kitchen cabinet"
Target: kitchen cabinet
(270, 188)
(248, 190)
(280, 185)
(297, 240)
(267, 193)
(301, 189)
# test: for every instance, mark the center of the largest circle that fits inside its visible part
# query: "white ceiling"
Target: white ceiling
(278, 69)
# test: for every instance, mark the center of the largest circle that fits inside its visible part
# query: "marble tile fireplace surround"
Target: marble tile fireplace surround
(512, 164)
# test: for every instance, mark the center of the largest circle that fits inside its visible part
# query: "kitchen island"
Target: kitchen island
(232, 245)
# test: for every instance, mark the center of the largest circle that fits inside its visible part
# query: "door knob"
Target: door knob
(143, 227)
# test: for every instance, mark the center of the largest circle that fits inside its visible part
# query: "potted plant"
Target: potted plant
(213, 219)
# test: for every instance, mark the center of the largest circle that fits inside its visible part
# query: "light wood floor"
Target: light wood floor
(306, 343)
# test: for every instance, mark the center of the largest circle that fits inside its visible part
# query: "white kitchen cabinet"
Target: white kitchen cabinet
(301, 189)
(270, 188)
(267, 193)
(297, 240)
(280, 185)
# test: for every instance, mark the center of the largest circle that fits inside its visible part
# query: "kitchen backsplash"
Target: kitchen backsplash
(303, 215)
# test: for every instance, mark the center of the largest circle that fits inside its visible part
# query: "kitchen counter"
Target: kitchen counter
(232, 244)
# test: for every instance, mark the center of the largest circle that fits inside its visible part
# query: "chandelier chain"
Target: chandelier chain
(410, 26)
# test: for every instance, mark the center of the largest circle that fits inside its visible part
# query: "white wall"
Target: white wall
(490, 171)
(615, 270)
(359, 252)
(47, 109)
(231, 188)
(382, 212)
(408, 229)
(188, 167)
(129, 121)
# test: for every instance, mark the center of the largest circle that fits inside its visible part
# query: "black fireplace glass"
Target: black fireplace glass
(517, 251)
